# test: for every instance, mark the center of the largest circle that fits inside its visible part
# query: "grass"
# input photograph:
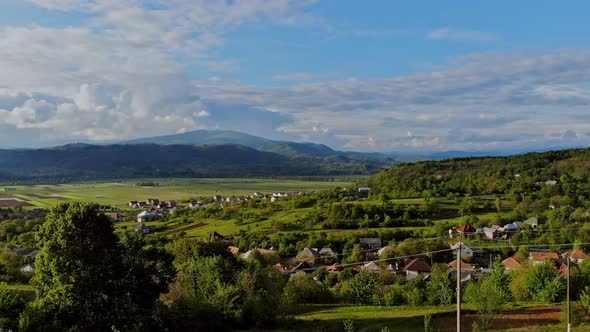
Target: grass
(119, 193)
(365, 318)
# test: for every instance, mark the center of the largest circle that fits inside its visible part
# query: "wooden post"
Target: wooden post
(459, 289)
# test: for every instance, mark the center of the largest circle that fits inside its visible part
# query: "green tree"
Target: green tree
(545, 284)
(440, 288)
(363, 286)
(86, 279)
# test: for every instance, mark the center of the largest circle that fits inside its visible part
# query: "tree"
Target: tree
(363, 286)
(487, 299)
(545, 284)
(440, 287)
(87, 280)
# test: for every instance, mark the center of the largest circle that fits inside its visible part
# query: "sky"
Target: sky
(383, 75)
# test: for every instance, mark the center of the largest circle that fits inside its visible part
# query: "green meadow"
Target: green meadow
(120, 192)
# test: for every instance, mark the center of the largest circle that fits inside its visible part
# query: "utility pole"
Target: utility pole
(568, 295)
(459, 289)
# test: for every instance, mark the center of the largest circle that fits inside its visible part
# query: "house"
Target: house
(510, 228)
(302, 267)
(466, 229)
(132, 204)
(195, 205)
(466, 252)
(233, 249)
(540, 257)
(466, 269)
(262, 252)
(364, 190)
(577, 255)
(308, 255)
(490, 233)
(534, 222)
(371, 267)
(152, 201)
(416, 267)
(146, 216)
(328, 252)
(550, 183)
(144, 229)
(258, 195)
(170, 204)
(511, 264)
(217, 198)
(384, 250)
(370, 243)
(116, 217)
(27, 268)
(518, 224)
(335, 268)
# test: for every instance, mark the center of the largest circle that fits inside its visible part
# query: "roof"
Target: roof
(308, 252)
(460, 244)
(233, 249)
(335, 267)
(301, 266)
(327, 252)
(540, 256)
(418, 265)
(370, 240)
(384, 249)
(371, 266)
(466, 229)
(576, 254)
(535, 221)
(464, 266)
(511, 263)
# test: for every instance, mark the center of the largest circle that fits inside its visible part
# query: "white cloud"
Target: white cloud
(295, 77)
(463, 35)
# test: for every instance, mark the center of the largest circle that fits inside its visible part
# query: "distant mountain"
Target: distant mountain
(203, 137)
(90, 162)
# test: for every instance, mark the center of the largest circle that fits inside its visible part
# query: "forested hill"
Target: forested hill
(92, 162)
(488, 175)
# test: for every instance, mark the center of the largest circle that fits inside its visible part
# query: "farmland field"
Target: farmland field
(119, 193)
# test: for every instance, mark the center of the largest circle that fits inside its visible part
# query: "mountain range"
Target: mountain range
(195, 154)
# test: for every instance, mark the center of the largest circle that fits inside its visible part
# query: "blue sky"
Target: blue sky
(393, 76)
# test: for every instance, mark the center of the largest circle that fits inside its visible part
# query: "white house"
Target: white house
(466, 252)
(146, 216)
(27, 268)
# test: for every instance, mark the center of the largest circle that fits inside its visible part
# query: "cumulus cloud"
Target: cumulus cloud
(121, 75)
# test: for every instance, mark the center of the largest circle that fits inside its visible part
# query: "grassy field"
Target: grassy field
(119, 193)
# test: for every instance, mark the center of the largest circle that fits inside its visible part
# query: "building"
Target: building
(371, 267)
(370, 243)
(364, 190)
(466, 252)
(384, 250)
(577, 255)
(466, 269)
(540, 257)
(335, 268)
(144, 229)
(511, 264)
(308, 255)
(416, 267)
(146, 216)
(535, 222)
(328, 252)
(466, 229)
